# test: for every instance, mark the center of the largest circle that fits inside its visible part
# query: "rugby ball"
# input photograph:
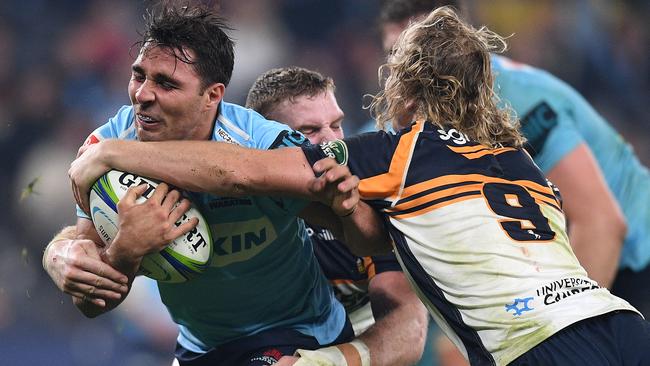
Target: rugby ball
(185, 257)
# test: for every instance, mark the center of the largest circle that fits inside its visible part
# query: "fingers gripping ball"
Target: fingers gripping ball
(185, 257)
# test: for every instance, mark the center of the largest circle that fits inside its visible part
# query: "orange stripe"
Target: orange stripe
(457, 178)
(459, 199)
(502, 150)
(543, 199)
(434, 207)
(475, 152)
(435, 196)
(387, 185)
(370, 267)
(467, 149)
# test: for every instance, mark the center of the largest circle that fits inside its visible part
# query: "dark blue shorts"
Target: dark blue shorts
(261, 349)
(616, 338)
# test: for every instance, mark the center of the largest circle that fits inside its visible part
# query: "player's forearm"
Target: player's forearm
(118, 256)
(597, 245)
(365, 233)
(399, 333)
(214, 167)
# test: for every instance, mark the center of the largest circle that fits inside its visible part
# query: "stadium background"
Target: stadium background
(64, 67)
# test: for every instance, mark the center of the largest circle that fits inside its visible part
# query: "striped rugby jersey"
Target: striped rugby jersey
(480, 235)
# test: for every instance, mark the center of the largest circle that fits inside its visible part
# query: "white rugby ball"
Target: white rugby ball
(184, 258)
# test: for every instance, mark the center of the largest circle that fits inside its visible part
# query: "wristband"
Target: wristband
(355, 353)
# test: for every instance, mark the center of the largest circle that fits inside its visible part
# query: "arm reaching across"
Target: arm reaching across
(199, 166)
(227, 170)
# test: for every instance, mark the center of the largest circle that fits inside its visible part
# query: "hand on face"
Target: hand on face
(148, 227)
(336, 186)
(76, 268)
(84, 172)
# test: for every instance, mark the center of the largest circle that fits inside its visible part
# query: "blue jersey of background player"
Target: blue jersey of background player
(605, 189)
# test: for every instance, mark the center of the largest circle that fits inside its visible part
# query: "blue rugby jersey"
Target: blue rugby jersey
(556, 119)
(263, 274)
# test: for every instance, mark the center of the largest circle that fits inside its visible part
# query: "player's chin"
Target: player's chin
(145, 135)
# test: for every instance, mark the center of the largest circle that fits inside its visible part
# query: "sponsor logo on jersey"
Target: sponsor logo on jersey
(455, 136)
(322, 233)
(240, 241)
(519, 306)
(556, 291)
(336, 150)
(226, 136)
(223, 202)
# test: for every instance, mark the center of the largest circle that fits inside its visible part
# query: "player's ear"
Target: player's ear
(213, 94)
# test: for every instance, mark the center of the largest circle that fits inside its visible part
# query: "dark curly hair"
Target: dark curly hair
(198, 29)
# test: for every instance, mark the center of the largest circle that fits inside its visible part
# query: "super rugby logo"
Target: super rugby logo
(336, 150)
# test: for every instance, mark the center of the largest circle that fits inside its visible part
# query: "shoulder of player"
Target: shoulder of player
(121, 125)
(243, 126)
(530, 81)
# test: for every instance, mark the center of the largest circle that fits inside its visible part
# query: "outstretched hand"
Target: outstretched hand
(335, 186)
(84, 172)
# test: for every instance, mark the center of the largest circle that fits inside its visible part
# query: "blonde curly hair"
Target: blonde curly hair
(439, 70)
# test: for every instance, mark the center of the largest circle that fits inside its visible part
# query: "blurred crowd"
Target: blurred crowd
(64, 68)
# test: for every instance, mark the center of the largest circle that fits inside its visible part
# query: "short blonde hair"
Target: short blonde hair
(439, 70)
(285, 84)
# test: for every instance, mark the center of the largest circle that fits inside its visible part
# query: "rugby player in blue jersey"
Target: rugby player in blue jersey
(477, 228)
(385, 313)
(257, 301)
(604, 186)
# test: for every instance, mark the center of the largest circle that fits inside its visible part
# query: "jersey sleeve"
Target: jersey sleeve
(551, 134)
(385, 263)
(112, 129)
(269, 135)
(367, 155)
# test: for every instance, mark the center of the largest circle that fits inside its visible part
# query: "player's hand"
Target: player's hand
(336, 186)
(84, 172)
(148, 227)
(76, 268)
